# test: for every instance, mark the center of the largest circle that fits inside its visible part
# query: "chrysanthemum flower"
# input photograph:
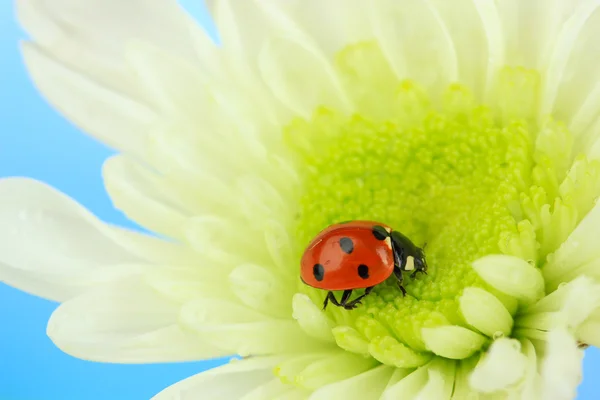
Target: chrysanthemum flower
(471, 125)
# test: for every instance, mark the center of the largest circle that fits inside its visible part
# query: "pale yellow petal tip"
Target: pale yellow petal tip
(562, 366)
(502, 366)
(310, 318)
(512, 276)
(485, 312)
(454, 342)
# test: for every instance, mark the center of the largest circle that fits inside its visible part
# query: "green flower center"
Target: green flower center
(465, 179)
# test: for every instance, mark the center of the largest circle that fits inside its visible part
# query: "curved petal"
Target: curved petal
(503, 365)
(141, 195)
(232, 381)
(55, 248)
(78, 62)
(373, 382)
(561, 367)
(244, 331)
(125, 322)
(578, 254)
(415, 41)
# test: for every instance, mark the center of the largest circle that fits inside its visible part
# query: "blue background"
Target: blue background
(36, 142)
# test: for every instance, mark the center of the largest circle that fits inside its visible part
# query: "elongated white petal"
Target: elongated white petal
(275, 389)
(311, 319)
(561, 367)
(441, 381)
(589, 331)
(186, 283)
(399, 27)
(372, 382)
(483, 311)
(563, 47)
(567, 307)
(502, 366)
(462, 388)
(488, 12)
(409, 386)
(262, 290)
(577, 254)
(244, 331)
(332, 368)
(532, 382)
(453, 342)
(83, 33)
(126, 322)
(349, 27)
(511, 275)
(137, 192)
(285, 64)
(78, 63)
(231, 381)
(74, 250)
(113, 117)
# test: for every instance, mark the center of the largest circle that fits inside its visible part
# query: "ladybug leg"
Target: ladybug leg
(397, 270)
(345, 297)
(354, 303)
(330, 296)
(400, 278)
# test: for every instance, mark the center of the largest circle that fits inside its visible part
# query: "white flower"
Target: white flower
(470, 125)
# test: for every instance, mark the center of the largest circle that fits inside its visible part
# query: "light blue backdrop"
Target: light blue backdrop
(36, 142)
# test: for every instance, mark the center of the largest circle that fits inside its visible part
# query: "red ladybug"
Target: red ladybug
(356, 255)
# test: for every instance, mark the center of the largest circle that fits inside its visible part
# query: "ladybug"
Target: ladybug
(355, 255)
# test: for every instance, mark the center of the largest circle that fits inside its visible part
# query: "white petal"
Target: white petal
(502, 366)
(331, 368)
(532, 383)
(333, 34)
(578, 253)
(311, 319)
(125, 322)
(372, 382)
(488, 12)
(561, 367)
(262, 290)
(469, 36)
(137, 192)
(185, 283)
(409, 386)
(244, 331)
(300, 76)
(416, 41)
(55, 248)
(589, 330)
(567, 307)
(115, 118)
(560, 53)
(275, 389)
(453, 342)
(511, 275)
(78, 59)
(231, 381)
(440, 384)
(462, 388)
(80, 31)
(483, 311)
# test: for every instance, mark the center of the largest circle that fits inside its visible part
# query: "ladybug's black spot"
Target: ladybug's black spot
(363, 271)
(379, 232)
(319, 272)
(347, 245)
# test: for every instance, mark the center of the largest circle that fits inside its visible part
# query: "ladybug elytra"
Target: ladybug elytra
(358, 255)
